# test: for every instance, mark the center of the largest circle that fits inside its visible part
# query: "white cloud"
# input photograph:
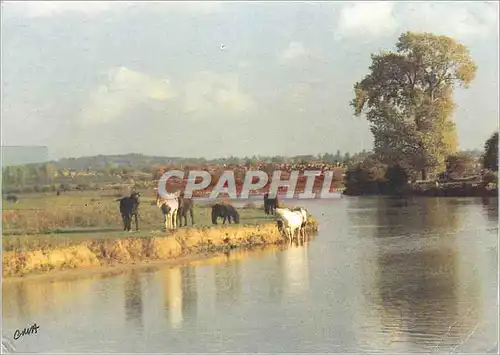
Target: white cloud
(460, 20)
(377, 19)
(32, 9)
(366, 19)
(215, 92)
(123, 89)
(50, 8)
(293, 51)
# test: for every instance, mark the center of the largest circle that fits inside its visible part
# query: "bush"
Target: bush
(459, 166)
(46, 188)
(372, 177)
(11, 190)
(28, 189)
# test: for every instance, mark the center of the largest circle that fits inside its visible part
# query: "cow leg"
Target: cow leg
(167, 221)
(136, 222)
(192, 218)
(224, 220)
(124, 219)
(129, 217)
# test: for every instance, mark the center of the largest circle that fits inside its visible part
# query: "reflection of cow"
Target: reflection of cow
(270, 204)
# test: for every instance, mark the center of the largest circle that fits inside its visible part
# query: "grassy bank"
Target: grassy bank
(45, 233)
(110, 252)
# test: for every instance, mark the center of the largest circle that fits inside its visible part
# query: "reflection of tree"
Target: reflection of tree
(27, 299)
(189, 291)
(419, 215)
(490, 207)
(15, 301)
(133, 297)
(228, 281)
(173, 296)
(417, 272)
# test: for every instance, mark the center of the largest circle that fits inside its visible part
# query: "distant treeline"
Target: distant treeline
(112, 171)
(140, 161)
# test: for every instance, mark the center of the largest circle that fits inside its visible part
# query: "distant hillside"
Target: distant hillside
(21, 155)
(37, 155)
(104, 161)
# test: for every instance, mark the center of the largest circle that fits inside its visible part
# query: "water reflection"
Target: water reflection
(228, 283)
(419, 294)
(388, 277)
(490, 206)
(133, 298)
(172, 292)
(27, 299)
(275, 275)
(295, 270)
(180, 293)
(189, 292)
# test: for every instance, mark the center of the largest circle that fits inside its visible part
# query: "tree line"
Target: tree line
(92, 171)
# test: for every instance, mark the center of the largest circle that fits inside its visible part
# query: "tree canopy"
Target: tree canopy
(490, 158)
(408, 99)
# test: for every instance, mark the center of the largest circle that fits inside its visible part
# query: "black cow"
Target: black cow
(225, 212)
(270, 204)
(12, 198)
(185, 206)
(129, 207)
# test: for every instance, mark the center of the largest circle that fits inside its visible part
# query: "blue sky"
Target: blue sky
(87, 78)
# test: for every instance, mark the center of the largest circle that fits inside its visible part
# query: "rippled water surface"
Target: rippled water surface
(382, 275)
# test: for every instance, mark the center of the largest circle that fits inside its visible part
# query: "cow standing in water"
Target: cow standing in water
(129, 207)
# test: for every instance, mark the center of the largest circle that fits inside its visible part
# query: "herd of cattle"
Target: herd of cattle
(175, 209)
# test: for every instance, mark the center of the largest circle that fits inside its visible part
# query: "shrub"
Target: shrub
(372, 177)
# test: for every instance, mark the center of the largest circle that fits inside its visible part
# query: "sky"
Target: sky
(214, 79)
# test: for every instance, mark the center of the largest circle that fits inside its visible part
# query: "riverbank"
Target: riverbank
(461, 189)
(182, 245)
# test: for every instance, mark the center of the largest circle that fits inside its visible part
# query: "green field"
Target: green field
(46, 220)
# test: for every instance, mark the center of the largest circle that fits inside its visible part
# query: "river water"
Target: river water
(382, 275)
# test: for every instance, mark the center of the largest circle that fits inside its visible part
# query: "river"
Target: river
(382, 275)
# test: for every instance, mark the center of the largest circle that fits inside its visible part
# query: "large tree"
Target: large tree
(408, 99)
(490, 157)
